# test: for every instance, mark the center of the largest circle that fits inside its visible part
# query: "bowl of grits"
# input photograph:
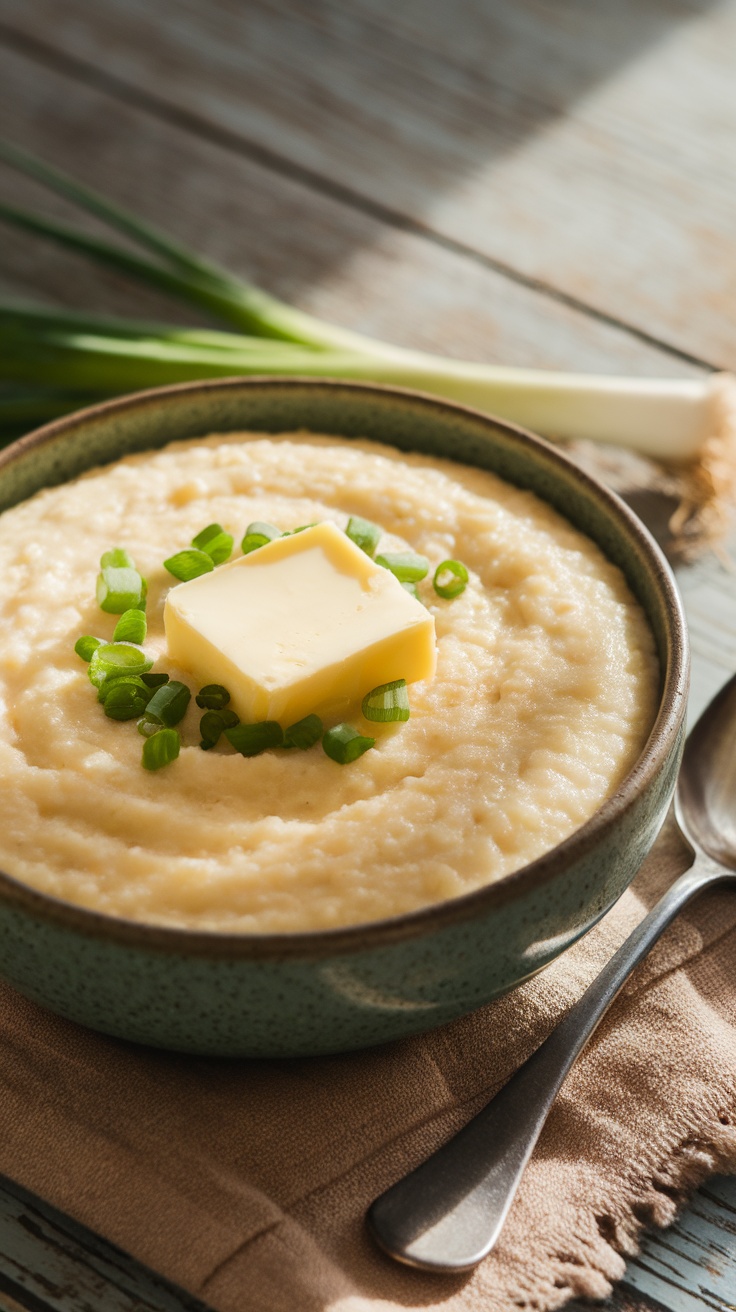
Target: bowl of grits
(287, 902)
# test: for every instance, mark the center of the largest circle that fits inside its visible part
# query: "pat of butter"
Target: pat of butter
(307, 623)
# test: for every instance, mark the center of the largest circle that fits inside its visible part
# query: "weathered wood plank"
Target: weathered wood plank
(557, 142)
(328, 258)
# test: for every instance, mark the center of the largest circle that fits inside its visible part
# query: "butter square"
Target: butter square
(306, 624)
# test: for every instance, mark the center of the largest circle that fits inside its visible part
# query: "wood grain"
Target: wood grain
(605, 175)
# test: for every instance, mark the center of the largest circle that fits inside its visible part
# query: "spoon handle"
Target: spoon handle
(448, 1213)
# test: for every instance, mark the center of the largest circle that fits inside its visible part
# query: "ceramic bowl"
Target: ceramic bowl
(284, 995)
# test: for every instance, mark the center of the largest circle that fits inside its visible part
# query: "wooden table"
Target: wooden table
(550, 185)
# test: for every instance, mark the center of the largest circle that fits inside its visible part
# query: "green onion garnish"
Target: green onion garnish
(112, 658)
(305, 733)
(412, 589)
(120, 588)
(456, 583)
(168, 704)
(407, 566)
(131, 627)
(344, 744)
(134, 680)
(117, 559)
(290, 532)
(212, 697)
(86, 646)
(213, 724)
(160, 749)
(252, 739)
(154, 680)
(125, 699)
(189, 564)
(387, 702)
(257, 535)
(364, 534)
(215, 542)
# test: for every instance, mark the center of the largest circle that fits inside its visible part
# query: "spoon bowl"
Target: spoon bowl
(706, 788)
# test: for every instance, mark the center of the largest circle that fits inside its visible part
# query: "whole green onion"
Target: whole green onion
(457, 582)
(252, 739)
(85, 646)
(364, 534)
(258, 534)
(131, 627)
(215, 542)
(168, 704)
(160, 749)
(126, 700)
(212, 697)
(120, 588)
(344, 744)
(305, 733)
(189, 564)
(112, 658)
(407, 566)
(387, 702)
(213, 724)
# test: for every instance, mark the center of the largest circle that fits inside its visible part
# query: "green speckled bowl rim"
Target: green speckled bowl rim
(379, 933)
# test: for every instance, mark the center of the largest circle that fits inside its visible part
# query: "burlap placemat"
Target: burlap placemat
(247, 1182)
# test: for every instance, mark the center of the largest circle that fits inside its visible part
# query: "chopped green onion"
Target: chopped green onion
(457, 582)
(117, 559)
(169, 703)
(133, 680)
(344, 744)
(160, 749)
(258, 534)
(407, 566)
(86, 646)
(364, 534)
(125, 700)
(113, 658)
(155, 680)
(120, 588)
(189, 564)
(412, 589)
(252, 739)
(305, 733)
(131, 627)
(387, 702)
(301, 529)
(213, 724)
(148, 727)
(215, 542)
(212, 697)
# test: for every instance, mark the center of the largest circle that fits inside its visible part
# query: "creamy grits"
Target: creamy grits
(545, 691)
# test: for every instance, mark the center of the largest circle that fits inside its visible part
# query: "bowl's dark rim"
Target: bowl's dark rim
(381, 933)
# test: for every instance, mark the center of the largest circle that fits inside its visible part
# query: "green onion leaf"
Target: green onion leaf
(120, 588)
(86, 646)
(258, 534)
(118, 558)
(131, 627)
(113, 658)
(212, 725)
(169, 703)
(125, 699)
(387, 702)
(252, 739)
(305, 733)
(155, 680)
(160, 749)
(457, 581)
(189, 564)
(364, 534)
(212, 697)
(344, 744)
(215, 542)
(407, 566)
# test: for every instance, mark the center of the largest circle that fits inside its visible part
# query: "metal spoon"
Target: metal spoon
(448, 1213)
